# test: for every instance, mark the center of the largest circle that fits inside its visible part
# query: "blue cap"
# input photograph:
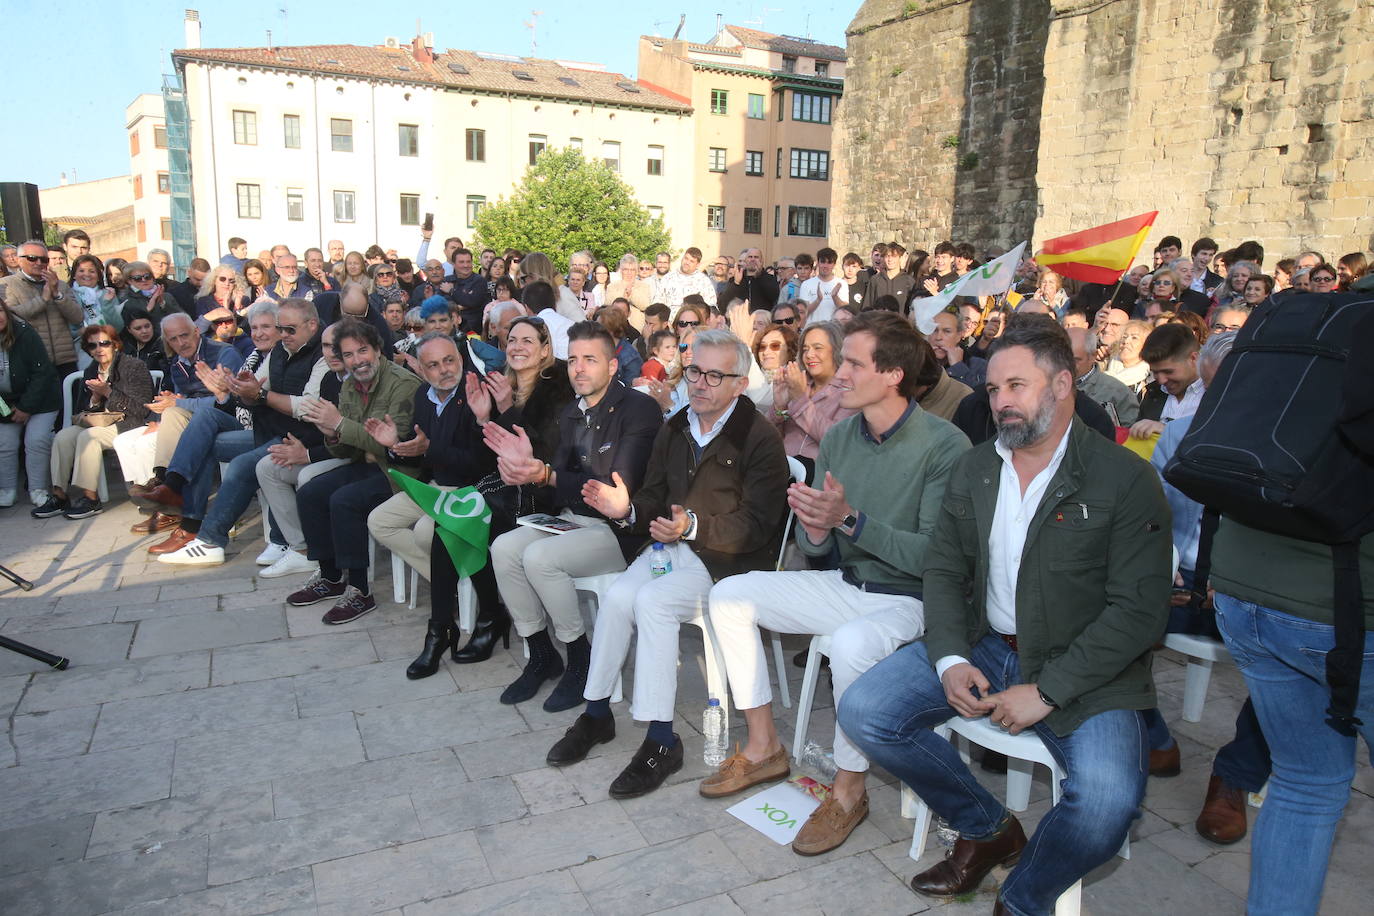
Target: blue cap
(658, 545)
(713, 702)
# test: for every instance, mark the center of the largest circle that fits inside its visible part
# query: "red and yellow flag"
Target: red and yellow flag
(1100, 254)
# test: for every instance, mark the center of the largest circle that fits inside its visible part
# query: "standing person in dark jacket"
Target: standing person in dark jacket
(749, 281)
(715, 497)
(185, 292)
(893, 281)
(29, 387)
(469, 291)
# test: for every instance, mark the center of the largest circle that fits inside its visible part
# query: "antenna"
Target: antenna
(532, 24)
(269, 40)
(285, 22)
(681, 21)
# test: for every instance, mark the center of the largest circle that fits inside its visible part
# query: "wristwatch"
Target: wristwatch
(848, 524)
(1046, 700)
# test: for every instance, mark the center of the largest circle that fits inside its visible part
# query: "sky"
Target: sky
(87, 66)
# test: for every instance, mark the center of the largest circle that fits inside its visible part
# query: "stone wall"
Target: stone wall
(1241, 119)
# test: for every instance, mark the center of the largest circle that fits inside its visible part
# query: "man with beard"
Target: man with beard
(1027, 624)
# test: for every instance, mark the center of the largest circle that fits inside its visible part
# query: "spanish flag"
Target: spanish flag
(1100, 254)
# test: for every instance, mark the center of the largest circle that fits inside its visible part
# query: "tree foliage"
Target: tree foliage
(566, 203)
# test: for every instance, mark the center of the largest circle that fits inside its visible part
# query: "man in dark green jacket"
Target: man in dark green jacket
(1046, 582)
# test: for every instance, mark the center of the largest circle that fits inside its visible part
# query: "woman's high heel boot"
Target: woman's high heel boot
(490, 628)
(437, 639)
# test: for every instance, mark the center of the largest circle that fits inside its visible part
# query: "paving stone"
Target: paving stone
(1154, 875)
(163, 674)
(180, 817)
(265, 752)
(858, 884)
(429, 775)
(176, 608)
(53, 789)
(500, 670)
(82, 646)
(538, 844)
(649, 879)
(203, 587)
(391, 642)
(464, 806)
(366, 686)
(194, 712)
(12, 689)
(546, 790)
(57, 620)
(513, 754)
(94, 595)
(767, 860)
(166, 635)
(261, 849)
(289, 657)
(38, 846)
(289, 892)
(107, 883)
(60, 733)
(552, 893)
(436, 722)
(719, 905)
(399, 875)
(674, 812)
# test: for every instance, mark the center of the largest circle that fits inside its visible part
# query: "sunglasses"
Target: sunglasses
(1323, 279)
(92, 344)
(35, 258)
(224, 321)
(221, 279)
(689, 324)
(772, 345)
(287, 329)
(682, 347)
(386, 273)
(136, 278)
(787, 321)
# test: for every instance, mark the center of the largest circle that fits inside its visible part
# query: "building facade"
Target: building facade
(763, 108)
(148, 174)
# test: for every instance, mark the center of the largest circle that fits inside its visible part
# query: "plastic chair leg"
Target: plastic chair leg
(398, 579)
(1018, 783)
(780, 663)
(807, 698)
(414, 587)
(1195, 688)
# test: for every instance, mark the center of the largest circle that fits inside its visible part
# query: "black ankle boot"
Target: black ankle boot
(489, 628)
(437, 639)
(528, 683)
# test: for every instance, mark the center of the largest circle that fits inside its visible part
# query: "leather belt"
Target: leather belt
(1009, 639)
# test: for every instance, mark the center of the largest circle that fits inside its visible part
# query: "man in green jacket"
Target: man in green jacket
(1046, 583)
(334, 506)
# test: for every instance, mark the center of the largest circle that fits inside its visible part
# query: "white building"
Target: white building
(301, 145)
(149, 176)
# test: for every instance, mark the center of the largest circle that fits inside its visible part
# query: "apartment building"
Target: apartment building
(763, 108)
(149, 175)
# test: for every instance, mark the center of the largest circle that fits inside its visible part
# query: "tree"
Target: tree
(565, 204)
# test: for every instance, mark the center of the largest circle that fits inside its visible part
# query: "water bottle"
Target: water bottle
(660, 564)
(713, 727)
(819, 761)
(945, 835)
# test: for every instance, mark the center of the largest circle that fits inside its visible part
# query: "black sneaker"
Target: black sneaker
(82, 507)
(649, 767)
(53, 506)
(586, 733)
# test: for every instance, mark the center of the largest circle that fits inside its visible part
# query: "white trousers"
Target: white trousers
(278, 485)
(655, 605)
(136, 450)
(864, 628)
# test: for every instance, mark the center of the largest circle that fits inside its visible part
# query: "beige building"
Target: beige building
(761, 148)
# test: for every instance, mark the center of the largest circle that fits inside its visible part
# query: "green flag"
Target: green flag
(462, 520)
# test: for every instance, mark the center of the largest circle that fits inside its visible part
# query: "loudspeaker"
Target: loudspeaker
(23, 216)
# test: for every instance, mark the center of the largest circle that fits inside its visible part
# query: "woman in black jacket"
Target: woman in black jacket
(114, 381)
(141, 340)
(29, 389)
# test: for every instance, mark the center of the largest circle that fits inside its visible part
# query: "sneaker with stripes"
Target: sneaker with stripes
(196, 553)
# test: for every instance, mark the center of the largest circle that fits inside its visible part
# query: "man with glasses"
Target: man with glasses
(720, 275)
(224, 328)
(1229, 318)
(35, 293)
(712, 505)
(289, 283)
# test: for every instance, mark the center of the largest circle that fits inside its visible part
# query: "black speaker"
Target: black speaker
(23, 216)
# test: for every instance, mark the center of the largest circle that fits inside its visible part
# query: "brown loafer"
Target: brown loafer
(155, 523)
(1223, 813)
(1166, 762)
(738, 773)
(164, 495)
(177, 540)
(968, 863)
(829, 826)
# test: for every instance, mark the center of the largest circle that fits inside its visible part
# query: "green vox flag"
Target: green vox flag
(461, 517)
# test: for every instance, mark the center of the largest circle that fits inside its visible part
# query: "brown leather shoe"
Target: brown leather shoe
(177, 540)
(738, 773)
(968, 863)
(164, 495)
(155, 523)
(1166, 762)
(1223, 813)
(829, 826)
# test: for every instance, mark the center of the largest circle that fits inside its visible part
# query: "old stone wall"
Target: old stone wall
(1238, 119)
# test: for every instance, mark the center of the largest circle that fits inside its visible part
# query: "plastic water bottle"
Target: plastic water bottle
(660, 564)
(713, 727)
(945, 835)
(818, 760)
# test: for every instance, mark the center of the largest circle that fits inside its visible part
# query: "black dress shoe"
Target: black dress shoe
(528, 683)
(799, 660)
(485, 634)
(437, 639)
(649, 767)
(586, 733)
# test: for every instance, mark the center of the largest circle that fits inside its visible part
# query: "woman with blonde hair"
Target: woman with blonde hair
(353, 269)
(223, 287)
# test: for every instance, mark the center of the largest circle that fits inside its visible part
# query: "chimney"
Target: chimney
(192, 29)
(422, 48)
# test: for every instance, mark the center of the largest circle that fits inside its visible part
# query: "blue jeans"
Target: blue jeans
(197, 456)
(890, 711)
(236, 489)
(1283, 659)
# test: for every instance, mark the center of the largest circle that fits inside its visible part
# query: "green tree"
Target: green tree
(565, 204)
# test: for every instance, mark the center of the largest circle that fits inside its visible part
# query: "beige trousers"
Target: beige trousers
(171, 425)
(76, 455)
(278, 485)
(401, 527)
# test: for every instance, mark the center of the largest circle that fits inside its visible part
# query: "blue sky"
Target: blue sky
(82, 62)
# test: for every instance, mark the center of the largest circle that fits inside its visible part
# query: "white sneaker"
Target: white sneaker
(39, 497)
(292, 563)
(196, 553)
(7, 498)
(271, 554)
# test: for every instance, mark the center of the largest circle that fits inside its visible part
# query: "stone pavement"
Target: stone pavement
(213, 751)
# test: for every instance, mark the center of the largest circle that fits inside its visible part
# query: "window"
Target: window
(343, 206)
(409, 139)
(246, 128)
(610, 154)
(165, 227)
(789, 64)
(655, 212)
(809, 221)
(160, 137)
(474, 206)
(250, 201)
(341, 136)
(776, 218)
(778, 106)
(809, 106)
(720, 101)
(753, 221)
(715, 218)
(133, 143)
(138, 187)
(575, 143)
(142, 231)
(291, 131)
(410, 209)
(715, 159)
(164, 183)
(295, 205)
(813, 164)
(755, 106)
(777, 173)
(753, 162)
(538, 143)
(476, 145)
(822, 68)
(655, 166)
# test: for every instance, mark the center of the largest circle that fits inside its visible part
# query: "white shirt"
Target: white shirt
(1007, 540)
(558, 331)
(704, 437)
(832, 293)
(1185, 406)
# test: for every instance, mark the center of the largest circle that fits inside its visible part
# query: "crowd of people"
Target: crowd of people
(968, 531)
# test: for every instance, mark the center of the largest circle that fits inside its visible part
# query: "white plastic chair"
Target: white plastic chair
(779, 659)
(467, 599)
(1023, 752)
(102, 489)
(398, 570)
(1202, 652)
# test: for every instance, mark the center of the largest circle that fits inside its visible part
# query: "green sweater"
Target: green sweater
(896, 486)
(392, 393)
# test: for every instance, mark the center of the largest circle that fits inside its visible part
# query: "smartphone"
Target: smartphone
(428, 224)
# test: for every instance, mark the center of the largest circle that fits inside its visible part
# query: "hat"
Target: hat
(217, 314)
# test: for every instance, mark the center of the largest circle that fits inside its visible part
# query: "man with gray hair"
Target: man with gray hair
(1112, 394)
(713, 503)
(35, 293)
(160, 262)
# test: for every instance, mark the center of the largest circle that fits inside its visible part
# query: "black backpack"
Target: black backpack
(1281, 442)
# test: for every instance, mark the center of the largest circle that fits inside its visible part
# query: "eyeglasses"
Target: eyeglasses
(287, 329)
(1220, 328)
(92, 344)
(787, 321)
(772, 346)
(35, 258)
(689, 324)
(136, 278)
(713, 378)
(224, 321)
